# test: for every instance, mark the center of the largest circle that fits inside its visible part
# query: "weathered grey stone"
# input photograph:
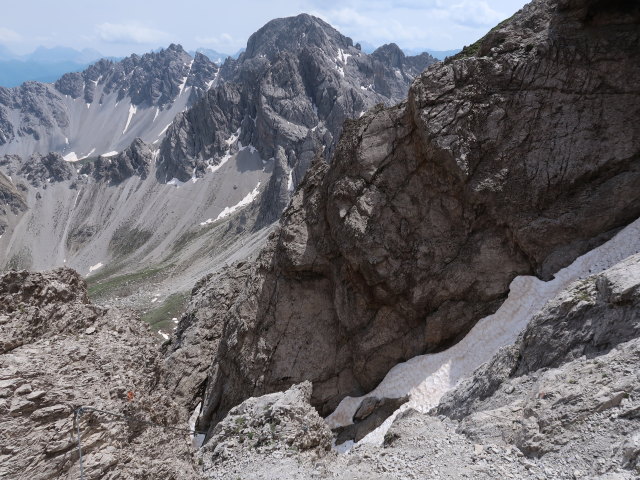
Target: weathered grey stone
(492, 168)
(49, 368)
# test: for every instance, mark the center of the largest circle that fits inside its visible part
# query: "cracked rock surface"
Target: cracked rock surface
(492, 168)
(59, 352)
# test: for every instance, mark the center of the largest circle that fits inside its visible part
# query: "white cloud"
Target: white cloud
(349, 16)
(475, 13)
(221, 41)
(131, 32)
(9, 36)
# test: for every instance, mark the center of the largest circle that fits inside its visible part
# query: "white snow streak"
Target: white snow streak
(88, 154)
(109, 154)
(164, 129)
(95, 267)
(184, 80)
(290, 181)
(426, 378)
(71, 157)
(132, 111)
(251, 196)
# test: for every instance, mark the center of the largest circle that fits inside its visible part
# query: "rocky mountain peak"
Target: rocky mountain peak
(391, 54)
(288, 96)
(153, 79)
(291, 34)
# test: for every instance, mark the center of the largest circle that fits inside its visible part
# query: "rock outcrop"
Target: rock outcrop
(135, 160)
(280, 422)
(12, 201)
(492, 168)
(59, 352)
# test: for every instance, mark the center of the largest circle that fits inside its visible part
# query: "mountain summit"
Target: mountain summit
(287, 96)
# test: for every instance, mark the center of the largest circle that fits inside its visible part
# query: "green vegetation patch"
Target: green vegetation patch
(173, 307)
(104, 284)
(126, 240)
(473, 49)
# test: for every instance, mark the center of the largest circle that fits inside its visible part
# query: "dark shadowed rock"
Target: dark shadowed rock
(42, 169)
(492, 168)
(371, 413)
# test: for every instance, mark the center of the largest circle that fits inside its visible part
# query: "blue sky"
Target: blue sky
(120, 27)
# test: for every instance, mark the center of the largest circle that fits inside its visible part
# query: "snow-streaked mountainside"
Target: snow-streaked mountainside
(95, 187)
(287, 95)
(105, 107)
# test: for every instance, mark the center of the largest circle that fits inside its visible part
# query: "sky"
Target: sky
(122, 27)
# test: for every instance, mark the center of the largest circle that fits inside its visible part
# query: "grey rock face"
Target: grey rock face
(135, 160)
(267, 424)
(429, 210)
(291, 90)
(59, 352)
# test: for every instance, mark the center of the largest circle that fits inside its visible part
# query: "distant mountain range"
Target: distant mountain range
(439, 54)
(49, 64)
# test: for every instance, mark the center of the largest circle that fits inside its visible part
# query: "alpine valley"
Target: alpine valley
(313, 262)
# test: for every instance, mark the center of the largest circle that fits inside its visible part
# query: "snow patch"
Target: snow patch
(164, 130)
(164, 335)
(197, 439)
(132, 111)
(184, 80)
(426, 378)
(175, 182)
(88, 154)
(250, 197)
(233, 138)
(251, 148)
(96, 267)
(343, 56)
(290, 181)
(109, 154)
(156, 115)
(71, 157)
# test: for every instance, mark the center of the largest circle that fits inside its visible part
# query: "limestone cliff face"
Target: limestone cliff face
(512, 158)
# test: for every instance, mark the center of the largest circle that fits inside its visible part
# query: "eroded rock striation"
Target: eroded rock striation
(492, 168)
(59, 352)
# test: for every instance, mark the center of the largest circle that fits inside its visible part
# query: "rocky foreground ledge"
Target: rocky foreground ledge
(563, 402)
(59, 352)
